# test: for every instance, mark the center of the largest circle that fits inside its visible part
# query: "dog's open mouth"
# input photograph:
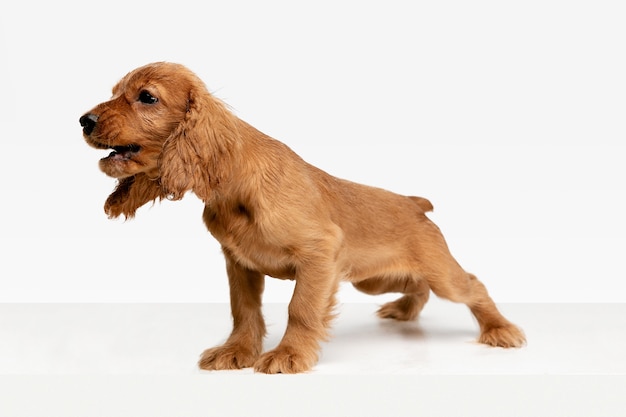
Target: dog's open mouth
(119, 153)
(123, 152)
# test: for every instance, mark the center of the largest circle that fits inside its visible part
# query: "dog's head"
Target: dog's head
(161, 122)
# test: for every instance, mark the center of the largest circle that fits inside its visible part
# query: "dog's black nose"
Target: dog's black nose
(88, 122)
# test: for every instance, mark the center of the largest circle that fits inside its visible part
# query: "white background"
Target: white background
(508, 116)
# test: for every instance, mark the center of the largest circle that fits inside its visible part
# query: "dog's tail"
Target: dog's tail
(422, 203)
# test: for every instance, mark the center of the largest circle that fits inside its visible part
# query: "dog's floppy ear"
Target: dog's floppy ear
(130, 194)
(196, 155)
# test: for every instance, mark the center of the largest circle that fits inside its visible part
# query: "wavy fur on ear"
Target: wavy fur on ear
(197, 155)
(132, 193)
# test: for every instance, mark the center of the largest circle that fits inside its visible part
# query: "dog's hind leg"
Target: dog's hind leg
(432, 261)
(416, 293)
(459, 286)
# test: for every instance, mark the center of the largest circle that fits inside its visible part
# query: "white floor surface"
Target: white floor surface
(573, 348)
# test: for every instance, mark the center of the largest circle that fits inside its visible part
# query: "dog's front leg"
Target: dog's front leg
(310, 313)
(245, 343)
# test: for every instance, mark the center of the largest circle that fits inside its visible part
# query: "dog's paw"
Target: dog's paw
(405, 308)
(227, 356)
(507, 336)
(285, 360)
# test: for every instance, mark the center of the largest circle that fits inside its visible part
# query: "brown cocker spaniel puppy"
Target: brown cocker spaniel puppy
(274, 214)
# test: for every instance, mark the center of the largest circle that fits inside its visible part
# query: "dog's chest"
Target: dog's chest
(234, 227)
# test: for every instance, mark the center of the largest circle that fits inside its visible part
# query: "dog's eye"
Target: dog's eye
(147, 98)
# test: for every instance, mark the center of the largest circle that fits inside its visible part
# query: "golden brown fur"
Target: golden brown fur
(274, 214)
